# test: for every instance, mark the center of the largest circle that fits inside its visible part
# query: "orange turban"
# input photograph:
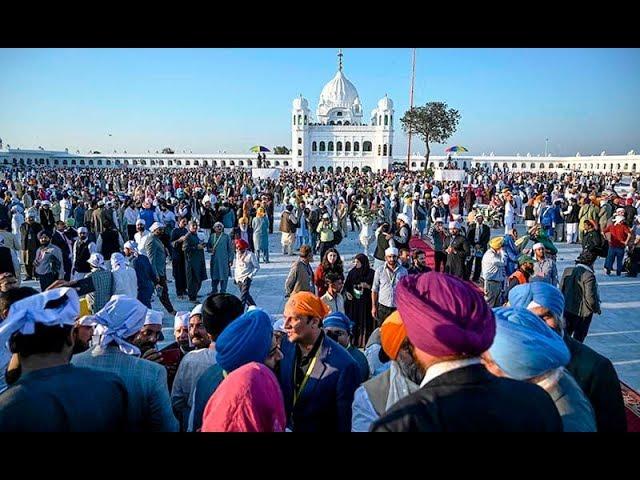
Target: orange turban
(305, 303)
(392, 334)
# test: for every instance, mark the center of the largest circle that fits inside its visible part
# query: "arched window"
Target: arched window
(99, 163)
(504, 166)
(214, 163)
(338, 169)
(314, 147)
(626, 167)
(179, 163)
(533, 165)
(82, 162)
(356, 146)
(390, 151)
(294, 119)
(441, 164)
(464, 164)
(321, 169)
(305, 119)
(338, 146)
(514, 165)
(170, 163)
(524, 165)
(633, 167)
(29, 161)
(618, 167)
(561, 165)
(314, 169)
(223, 163)
(322, 147)
(299, 119)
(330, 147)
(597, 166)
(347, 122)
(384, 150)
(421, 164)
(250, 163)
(330, 169)
(373, 121)
(187, 163)
(347, 169)
(286, 164)
(73, 162)
(379, 149)
(413, 164)
(347, 146)
(379, 119)
(299, 152)
(339, 122)
(232, 163)
(90, 162)
(366, 146)
(196, 163)
(332, 122)
(277, 163)
(386, 120)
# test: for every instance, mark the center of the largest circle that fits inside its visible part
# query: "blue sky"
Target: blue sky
(205, 100)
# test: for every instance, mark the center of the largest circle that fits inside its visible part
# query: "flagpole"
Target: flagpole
(413, 77)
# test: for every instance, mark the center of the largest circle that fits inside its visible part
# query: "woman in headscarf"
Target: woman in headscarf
(260, 226)
(357, 305)
(125, 279)
(331, 263)
(249, 399)
(526, 349)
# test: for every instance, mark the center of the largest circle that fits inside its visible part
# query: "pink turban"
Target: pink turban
(444, 315)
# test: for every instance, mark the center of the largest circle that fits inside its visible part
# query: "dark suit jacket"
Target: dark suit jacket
(580, 291)
(599, 382)
(65, 399)
(325, 402)
(485, 233)
(470, 399)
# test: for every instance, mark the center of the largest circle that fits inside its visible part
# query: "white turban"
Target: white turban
(391, 251)
(24, 314)
(155, 226)
(439, 220)
(197, 310)
(153, 317)
(218, 224)
(96, 260)
(181, 320)
(83, 230)
(87, 321)
(141, 221)
(118, 261)
(538, 245)
(131, 246)
(122, 316)
(403, 217)
(454, 224)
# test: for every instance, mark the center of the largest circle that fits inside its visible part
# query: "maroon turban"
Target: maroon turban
(444, 315)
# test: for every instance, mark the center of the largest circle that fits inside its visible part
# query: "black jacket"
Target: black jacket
(470, 399)
(484, 236)
(599, 382)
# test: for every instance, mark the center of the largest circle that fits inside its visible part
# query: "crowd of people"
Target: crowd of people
(493, 335)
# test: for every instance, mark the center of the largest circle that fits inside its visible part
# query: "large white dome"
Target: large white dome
(339, 92)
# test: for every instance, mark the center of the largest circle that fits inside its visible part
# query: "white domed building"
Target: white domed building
(338, 139)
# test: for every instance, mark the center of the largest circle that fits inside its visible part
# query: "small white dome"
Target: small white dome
(385, 103)
(300, 103)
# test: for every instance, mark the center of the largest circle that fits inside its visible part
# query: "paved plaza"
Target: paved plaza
(615, 334)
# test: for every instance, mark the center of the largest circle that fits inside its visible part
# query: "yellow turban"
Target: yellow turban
(392, 334)
(305, 303)
(496, 242)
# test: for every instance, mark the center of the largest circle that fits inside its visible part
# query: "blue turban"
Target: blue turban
(525, 347)
(542, 293)
(246, 339)
(337, 320)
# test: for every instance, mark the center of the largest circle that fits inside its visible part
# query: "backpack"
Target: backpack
(337, 237)
(604, 248)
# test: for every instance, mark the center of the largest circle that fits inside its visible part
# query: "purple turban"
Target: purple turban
(444, 315)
